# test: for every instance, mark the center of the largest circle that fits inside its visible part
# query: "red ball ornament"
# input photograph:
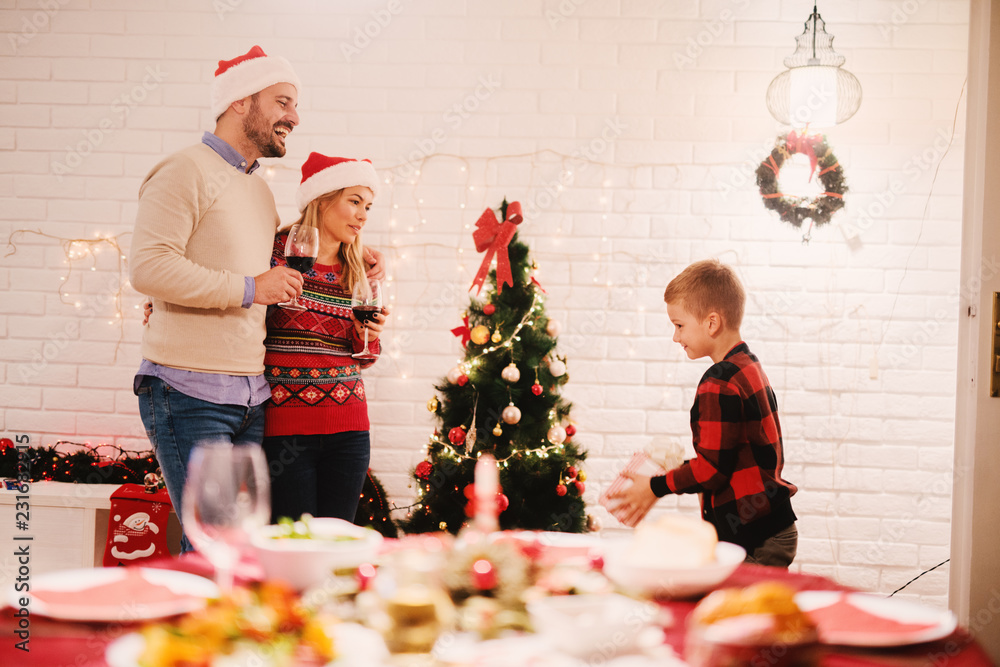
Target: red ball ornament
(571, 472)
(424, 469)
(5, 444)
(580, 487)
(463, 380)
(561, 490)
(489, 309)
(570, 429)
(470, 508)
(502, 502)
(456, 435)
(536, 389)
(470, 491)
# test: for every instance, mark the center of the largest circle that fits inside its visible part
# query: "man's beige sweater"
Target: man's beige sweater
(201, 227)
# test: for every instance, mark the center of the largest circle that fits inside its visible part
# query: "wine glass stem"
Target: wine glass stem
(224, 578)
(366, 339)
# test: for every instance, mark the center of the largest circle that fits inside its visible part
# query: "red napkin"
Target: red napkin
(132, 586)
(843, 617)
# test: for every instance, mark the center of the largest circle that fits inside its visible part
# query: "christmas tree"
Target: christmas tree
(503, 399)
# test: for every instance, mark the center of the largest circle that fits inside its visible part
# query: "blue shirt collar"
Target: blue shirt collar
(228, 153)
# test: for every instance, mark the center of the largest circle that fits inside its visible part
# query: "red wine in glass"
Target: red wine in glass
(300, 264)
(366, 313)
(366, 303)
(301, 250)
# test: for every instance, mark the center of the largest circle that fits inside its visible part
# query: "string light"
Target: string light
(80, 248)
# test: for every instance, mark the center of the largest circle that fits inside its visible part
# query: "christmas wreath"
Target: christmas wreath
(793, 209)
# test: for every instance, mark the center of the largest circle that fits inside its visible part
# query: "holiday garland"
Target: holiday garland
(85, 465)
(795, 210)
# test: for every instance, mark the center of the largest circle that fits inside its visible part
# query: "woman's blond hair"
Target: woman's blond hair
(350, 256)
(706, 286)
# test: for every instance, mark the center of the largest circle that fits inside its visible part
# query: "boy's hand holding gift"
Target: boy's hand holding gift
(629, 498)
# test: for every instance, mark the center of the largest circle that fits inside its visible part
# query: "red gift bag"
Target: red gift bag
(137, 525)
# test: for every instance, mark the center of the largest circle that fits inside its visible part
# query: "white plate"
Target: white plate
(357, 646)
(119, 594)
(556, 547)
(670, 582)
(941, 621)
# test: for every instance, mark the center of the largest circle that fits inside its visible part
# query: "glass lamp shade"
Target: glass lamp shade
(818, 96)
(815, 90)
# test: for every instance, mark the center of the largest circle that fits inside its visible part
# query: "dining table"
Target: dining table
(64, 643)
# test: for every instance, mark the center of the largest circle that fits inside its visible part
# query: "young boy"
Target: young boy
(734, 421)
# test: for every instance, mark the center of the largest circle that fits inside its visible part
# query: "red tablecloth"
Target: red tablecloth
(65, 644)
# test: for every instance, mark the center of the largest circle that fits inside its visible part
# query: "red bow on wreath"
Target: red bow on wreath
(806, 145)
(493, 237)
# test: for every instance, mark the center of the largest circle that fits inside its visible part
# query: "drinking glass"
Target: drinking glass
(301, 250)
(366, 302)
(227, 497)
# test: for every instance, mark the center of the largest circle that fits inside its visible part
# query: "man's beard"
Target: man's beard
(261, 134)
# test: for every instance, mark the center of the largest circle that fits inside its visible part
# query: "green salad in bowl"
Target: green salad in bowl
(302, 530)
(307, 552)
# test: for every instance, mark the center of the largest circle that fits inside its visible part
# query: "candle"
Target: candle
(487, 485)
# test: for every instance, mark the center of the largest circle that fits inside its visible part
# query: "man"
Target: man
(201, 250)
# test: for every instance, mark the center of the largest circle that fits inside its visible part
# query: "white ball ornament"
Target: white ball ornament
(557, 435)
(510, 373)
(454, 374)
(511, 414)
(553, 328)
(557, 368)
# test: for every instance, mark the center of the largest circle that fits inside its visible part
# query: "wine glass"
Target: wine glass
(301, 250)
(227, 497)
(366, 302)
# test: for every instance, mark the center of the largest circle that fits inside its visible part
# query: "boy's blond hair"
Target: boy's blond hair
(706, 286)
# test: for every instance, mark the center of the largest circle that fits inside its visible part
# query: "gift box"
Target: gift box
(641, 464)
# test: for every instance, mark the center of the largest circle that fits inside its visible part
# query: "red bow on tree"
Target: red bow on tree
(463, 331)
(804, 144)
(493, 237)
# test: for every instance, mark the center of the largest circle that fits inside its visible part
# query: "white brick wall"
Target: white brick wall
(93, 93)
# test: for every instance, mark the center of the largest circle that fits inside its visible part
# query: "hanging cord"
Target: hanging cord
(918, 576)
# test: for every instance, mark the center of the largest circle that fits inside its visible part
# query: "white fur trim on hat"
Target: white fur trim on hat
(249, 77)
(336, 177)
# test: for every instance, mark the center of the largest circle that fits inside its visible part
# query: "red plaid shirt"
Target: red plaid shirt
(738, 454)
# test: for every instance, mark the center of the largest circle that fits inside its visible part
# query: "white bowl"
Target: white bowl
(666, 581)
(587, 625)
(308, 562)
(555, 547)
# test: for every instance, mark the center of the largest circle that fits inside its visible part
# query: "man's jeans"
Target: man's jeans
(175, 423)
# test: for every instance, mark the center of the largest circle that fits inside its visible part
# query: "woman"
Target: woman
(316, 426)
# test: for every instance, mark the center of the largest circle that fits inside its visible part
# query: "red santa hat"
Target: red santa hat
(322, 174)
(248, 74)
